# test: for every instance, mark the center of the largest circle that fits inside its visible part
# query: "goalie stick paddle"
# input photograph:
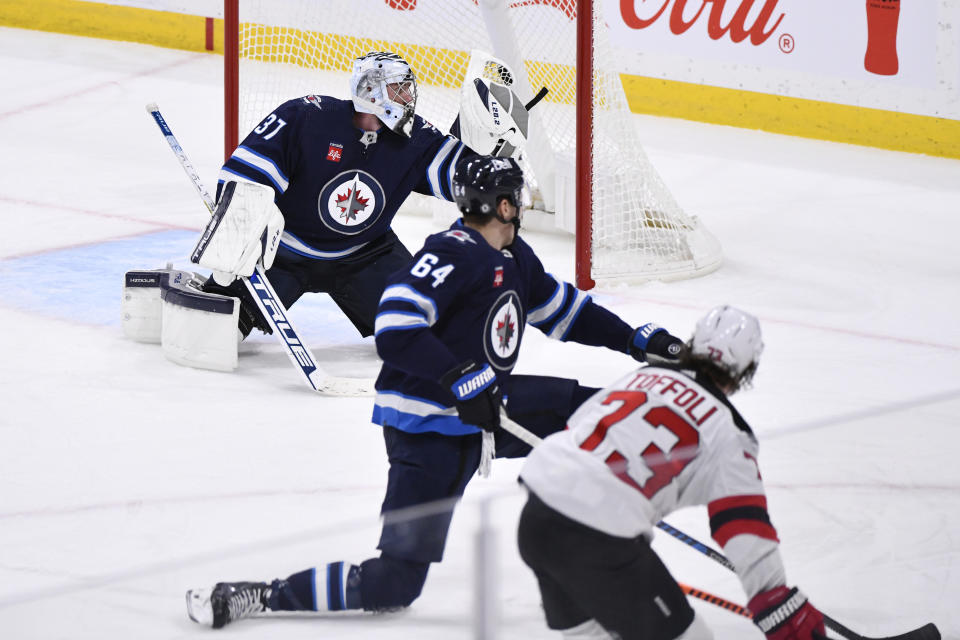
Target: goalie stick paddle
(266, 298)
(928, 631)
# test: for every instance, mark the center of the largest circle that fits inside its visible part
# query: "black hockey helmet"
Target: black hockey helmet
(480, 181)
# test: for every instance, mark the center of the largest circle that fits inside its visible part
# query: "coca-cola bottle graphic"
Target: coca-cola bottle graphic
(882, 19)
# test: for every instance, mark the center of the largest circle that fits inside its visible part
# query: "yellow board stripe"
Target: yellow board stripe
(794, 116)
(112, 22)
(716, 105)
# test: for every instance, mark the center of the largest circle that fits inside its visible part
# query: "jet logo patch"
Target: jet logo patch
(503, 331)
(351, 202)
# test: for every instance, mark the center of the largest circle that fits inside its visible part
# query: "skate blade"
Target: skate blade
(198, 606)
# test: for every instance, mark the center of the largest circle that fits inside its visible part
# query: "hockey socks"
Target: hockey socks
(379, 584)
(335, 587)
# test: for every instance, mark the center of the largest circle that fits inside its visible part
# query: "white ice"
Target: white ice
(126, 479)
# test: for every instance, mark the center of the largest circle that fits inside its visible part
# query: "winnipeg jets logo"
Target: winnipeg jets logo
(351, 202)
(503, 331)
(462, 236)
(506, 329)
(314, 100)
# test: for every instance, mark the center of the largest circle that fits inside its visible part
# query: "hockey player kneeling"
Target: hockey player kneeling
(449, 328)
(658, 439)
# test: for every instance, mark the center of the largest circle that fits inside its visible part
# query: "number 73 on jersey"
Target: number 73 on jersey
(658, 438)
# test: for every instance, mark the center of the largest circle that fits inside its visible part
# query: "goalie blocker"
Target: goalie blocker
(245, 229)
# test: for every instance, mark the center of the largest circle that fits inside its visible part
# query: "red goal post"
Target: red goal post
(589, 171)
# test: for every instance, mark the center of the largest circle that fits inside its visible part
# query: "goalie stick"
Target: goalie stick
(266, 298)
(928, 631)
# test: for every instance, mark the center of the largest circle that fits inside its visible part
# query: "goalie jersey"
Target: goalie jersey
(653, 442)
(464, 300)
(337, 186)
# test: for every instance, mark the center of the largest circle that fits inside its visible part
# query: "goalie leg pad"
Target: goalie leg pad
(140, 308)
(250, 316)
(199, 328)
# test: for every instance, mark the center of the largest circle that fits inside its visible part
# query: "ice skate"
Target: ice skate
(226, 602)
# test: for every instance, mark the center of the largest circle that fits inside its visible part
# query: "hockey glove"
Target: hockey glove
(476, 394)
(651, 339)
(245, 229)
(786, 614)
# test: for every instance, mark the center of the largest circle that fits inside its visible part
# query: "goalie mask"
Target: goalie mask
(383, 84)
(481, 181)
(730, 339)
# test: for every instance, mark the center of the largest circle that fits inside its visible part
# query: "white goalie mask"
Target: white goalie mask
(730, 338)
(383, 84)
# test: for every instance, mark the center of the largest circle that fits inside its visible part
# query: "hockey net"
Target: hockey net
(636, 229)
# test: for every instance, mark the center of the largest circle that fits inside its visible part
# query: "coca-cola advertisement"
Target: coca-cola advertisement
(879, 39)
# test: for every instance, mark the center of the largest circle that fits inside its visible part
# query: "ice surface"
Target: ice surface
(126, 479)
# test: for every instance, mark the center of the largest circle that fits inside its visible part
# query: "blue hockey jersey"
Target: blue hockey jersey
(337, 189)
(461, 300)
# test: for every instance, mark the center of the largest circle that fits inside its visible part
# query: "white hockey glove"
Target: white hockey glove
(245, 229)
(492, 119)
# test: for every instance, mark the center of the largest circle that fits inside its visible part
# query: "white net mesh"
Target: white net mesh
(638, 230)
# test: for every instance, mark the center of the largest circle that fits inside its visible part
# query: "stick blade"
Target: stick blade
(343, 387)
(928, 631)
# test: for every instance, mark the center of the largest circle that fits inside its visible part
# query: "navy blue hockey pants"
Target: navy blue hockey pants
(355, 283)
(428, 474)
(430, 468)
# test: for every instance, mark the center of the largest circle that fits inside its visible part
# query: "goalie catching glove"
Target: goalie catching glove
(492, 119)
(244, 230)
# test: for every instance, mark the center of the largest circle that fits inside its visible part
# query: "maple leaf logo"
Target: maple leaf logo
(505, 331)
(350, 204)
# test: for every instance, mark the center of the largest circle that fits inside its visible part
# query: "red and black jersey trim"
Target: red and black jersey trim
(738, 515)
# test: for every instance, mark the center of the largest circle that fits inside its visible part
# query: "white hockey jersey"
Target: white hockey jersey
(652, 442)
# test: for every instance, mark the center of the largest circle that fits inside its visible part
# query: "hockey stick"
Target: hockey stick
(266, 298)
(710, 552)
(723, 603)
(518, 430)
(928, 631)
